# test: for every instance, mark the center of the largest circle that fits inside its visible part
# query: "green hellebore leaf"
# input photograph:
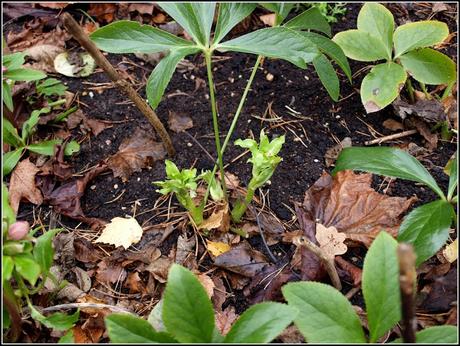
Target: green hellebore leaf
(43, 250)
(427, 228)
(11, 159)
(421, 34)
(429, 66)
(27, 267)
(380, 285)
(230, 14)
(7, 268)
(453, 177)
(23, 74)
(327, 75)
(67, 338)
(281, 9)
(381, 86)
(7, 212)
(7, 97)
(44, 147)
(57, 321)
(310, 19)
(360, 45)
(10, 134)
(14, 61)
(438, 335)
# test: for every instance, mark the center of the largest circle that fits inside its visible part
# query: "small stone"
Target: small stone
(123, 208)
(231, 79)
(232, 94)
(337, 116)
(306, 77)
(108, 142)
(115, 186)
(138, 178)
(240, 76)
(269, 77)
(84, 93)
(206, 96)
(189, 144)
(316, 160)
(91, 94)
(92, 187)
(297, 139)
(269, 182)
(192, 77)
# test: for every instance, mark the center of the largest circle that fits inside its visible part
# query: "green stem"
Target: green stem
(215, 122)
(235, 119)
(410, 89)
(195, 212)
(447, 90)
(241, 206)
(56, 103)
(423, 87)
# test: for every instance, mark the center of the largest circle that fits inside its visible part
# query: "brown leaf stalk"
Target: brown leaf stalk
(407, 281)
(77, 32)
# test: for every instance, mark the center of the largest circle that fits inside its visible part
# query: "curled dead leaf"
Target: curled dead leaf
(331, 242)
(243, 260)
(179, 122)
(121, 232)
(22, 185)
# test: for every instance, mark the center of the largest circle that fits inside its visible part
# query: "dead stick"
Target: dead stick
(76, 31)
(391, 137)
(329, 262)
(85, 305)
(407, 279)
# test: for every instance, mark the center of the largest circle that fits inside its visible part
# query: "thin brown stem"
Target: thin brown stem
(76, 31)
(407, 283)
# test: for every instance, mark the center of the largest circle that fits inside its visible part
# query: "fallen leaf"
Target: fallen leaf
(393, 125)
(110, 272)
(54, 5)
(429, 110)
(450, 253)
(355, 273)
(43, 56)
(103, 12)
(135, 284)
(72, 64)
(179, 122)
(121, 232)
(217, 248)
(440, 294)
(96, 126)
(268, 19)
(291, 335)
(243, 260)
(219, 219)
(85, 251)
(185, 252)
(422, 127)
(135, 153)
(22, 185)
(332, 153)
(83, 279)
(225, 320)
(151, 58)
(207, 283)
(160, 268)
(330, 240)
(36, 36)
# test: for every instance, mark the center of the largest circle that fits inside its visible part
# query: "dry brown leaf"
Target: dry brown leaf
(243, 260)
(450, 253)
(22, 185)
(135, 284)
(135, 153)
(54, 5)
(330, 240)
(121, 232)
(179, 122)
(219, 219)
(44, 55)
(160, 268)
(31, 37)
(103, 12)
(110, 272)
(393, 125)
(268, 19)
(141, 8)
(332, 153)
(225, 320)
(207, 283)
(217, 248)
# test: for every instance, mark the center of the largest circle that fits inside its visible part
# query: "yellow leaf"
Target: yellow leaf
(451, 251)
(217, 248)
(121, 232)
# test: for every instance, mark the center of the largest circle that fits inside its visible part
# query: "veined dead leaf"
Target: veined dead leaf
(179, 122)
(268, 19)
(217, 248)
(219, 219)
(225, 319)
(207, 283)
(451, 251)
(330, 240)
(22, 185)
(121, 232)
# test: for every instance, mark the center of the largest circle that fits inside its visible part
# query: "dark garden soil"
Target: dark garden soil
(312, 123)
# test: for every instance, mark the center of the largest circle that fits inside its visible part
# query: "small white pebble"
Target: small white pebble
(269, 77)
(306, 77)
(296, 139)
(92, 187)
(337, 116)
(326, 124)
(269, 182)
(192, 77)
(108, 142)
(84, 93)
(123, 208)
(315, 160)
(232, 94)
(240, 76)
(138, 178)
(189, 144)
(91, 94)
(215, 68)
(115, 186)
(206, 96)
(231, 79)
(249, 120)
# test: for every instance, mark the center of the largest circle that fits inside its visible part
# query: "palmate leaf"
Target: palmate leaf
(360, 45)
(230, 14)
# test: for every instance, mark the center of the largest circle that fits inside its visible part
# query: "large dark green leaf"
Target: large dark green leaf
(58, 320)
(360, 45)
(196, 18)
(429, 66)
(331, 49)
(380, 285)
(126, 36)
(261, 323)
(10, 134)
(187, 311)
(279, 42)
(24, 74)
(381, 86)
(453, 178)
(386, 161)
(327, 75)
(438, 335)
(310, 19)
(11, 159)
(427, 228)
(6, 94)
(230, 14)
(126, 329)
(161, 75)
(325, 315)
(281, 9)
(43, 250)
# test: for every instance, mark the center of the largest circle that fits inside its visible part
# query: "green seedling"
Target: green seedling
(183, 183)
(406, 51)
(13, 71)
(187, 316)
(426, 227)
(264, 161)
(215, 188)
(326, 316)
(330, 11)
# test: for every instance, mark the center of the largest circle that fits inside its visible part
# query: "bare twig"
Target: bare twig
(76, 31)
(85, 305)
(391, 137)
(270, 253)
(407, 279)
(328, 262)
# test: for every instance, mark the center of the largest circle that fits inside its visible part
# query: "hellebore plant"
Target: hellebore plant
(426, 227)
(405, 51)
(293, 42)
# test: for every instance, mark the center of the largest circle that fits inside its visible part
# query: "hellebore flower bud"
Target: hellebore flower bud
(18, 230)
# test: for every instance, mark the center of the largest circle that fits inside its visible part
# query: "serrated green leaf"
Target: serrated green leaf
(125, 328)
(6, 95)
(126, 36)
(67, 338)
(29, 126)
(230, 14)
(43, 250)
(14, 61)
(51, 86)
(10, 134)
(7, 267)
(325, 315)
(161, 75)
(10, 160)
(327, 75)
(331, 49)
(380, 285)
(187, 311)
(27, 267)
(391, 162)
(427, 228)
(429, 66)
(196, 18)
(381, 86)
(310, 19)
(261, 323)
(420, 34)
(360, 45)
(57, 321)
(24, 74)
(453, 178)
(71, 148)
(378, 21)
(438, 335)
(7, 212)
(278, 42)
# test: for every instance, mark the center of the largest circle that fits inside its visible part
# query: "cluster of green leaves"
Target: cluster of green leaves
(12, 72)
(326, 316)
(426, 227)
(188, 317)
(264, 161)
(404, 49)
(27, 263)
(330, 11)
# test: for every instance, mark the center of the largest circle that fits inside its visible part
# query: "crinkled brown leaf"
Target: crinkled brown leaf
(22, 185)
(352, 272)
(185, 252)
(441, 293)
(135, 152)
(110, 272)
(429, 110)
(332, 153)
(141, 8)
(85, 251)
(159, 268)
(243, 260)
(103, 12)
(179, 122)
(225, 320)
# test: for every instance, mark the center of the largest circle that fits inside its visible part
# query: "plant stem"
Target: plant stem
(241, 206)
(215, 122)
(56, 103)
(235, 118)
(447, 90)
(410, 89)
(423, 87)
(407, 282)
